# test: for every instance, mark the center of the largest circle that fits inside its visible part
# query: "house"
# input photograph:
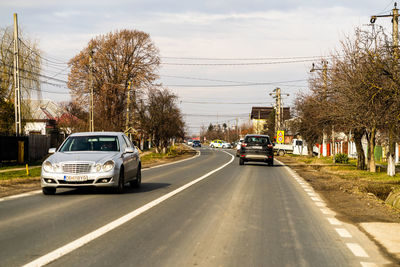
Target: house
(43, 119)
(260, 116)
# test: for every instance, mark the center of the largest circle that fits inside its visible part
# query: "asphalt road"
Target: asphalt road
(251, 215)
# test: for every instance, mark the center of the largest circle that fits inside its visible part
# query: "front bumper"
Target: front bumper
(59, 180)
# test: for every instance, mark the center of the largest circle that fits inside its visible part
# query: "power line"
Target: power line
(225, 103)
(238, 64)
(239, 59)
(217, 115)
(60, 62)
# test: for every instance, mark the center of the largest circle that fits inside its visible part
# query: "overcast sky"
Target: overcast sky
(257, 31)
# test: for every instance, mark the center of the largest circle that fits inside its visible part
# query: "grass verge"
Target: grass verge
(377, 183)
(20, 174)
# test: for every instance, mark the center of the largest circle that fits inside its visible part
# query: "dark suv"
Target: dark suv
(256, 147)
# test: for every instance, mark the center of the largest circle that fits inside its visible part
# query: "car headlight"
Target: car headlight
(108, 166)
(47, 166)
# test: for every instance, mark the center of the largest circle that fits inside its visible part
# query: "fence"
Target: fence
(13, 148)
(27, 148)
(38, 146)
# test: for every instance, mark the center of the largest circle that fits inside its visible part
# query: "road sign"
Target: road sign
(280, 137)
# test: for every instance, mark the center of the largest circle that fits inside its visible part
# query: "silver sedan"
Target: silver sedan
(99, 159)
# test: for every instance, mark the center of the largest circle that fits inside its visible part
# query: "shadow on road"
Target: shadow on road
(145, 187)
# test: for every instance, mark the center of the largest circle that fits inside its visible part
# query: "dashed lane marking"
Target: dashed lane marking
(343, 233)
(357, 250)
(334, 221)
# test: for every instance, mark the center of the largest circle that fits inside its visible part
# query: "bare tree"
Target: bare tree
(160, 117)
(119, 57)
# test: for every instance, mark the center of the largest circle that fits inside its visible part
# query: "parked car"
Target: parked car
(257, 148)
(97, 159)
(196, 143)
(220, 144)
(190, 142)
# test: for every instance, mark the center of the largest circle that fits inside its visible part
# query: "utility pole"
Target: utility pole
(391, 170)
(279, 114)
(128, 103)
(325, 80)
(17, 88)
(91, 108)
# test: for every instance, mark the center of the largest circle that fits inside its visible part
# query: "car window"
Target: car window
(123, 144)
(128, 142)
(261, 140)
(90, 143)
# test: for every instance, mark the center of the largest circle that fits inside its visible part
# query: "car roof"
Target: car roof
(97, 133)
(261, 135)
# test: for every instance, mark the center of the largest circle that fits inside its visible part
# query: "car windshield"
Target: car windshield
(196, 141)
(90, 143)
(262, 140)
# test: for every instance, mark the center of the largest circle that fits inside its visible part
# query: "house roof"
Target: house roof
(44, 109)
(264, 113)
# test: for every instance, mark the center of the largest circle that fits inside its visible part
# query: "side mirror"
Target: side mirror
(129, 150)
(52, 150)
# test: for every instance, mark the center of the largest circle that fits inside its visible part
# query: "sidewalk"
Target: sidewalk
(386, 234)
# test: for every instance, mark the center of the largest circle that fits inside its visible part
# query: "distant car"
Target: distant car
(220, 144)
(97, 159)
(196, 143)
(257, 148)
(190, 142)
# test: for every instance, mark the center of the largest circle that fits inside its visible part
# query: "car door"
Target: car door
(127, 159)
(134, 163)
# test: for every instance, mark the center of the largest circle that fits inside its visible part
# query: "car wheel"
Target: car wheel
(49, 190)
(241, 161)
(121, 182)
(136, 183)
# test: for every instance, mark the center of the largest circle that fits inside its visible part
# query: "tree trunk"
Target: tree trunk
(391, 169)
(371, 149)
(310, 149)
(358, 134)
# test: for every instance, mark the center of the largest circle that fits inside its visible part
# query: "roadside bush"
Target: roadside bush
(341, 158)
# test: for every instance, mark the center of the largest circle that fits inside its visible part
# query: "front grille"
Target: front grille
(76, 168)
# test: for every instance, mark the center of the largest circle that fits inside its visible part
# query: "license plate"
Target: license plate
(75, 178)
(256, 147)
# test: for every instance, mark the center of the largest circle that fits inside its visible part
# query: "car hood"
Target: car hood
(94, 156)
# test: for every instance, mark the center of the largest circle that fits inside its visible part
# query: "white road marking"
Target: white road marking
(326, 211)
(357, 250)
(334, 221)
(21, 195)
(55, 254)
(368, 264)
(343, 233)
